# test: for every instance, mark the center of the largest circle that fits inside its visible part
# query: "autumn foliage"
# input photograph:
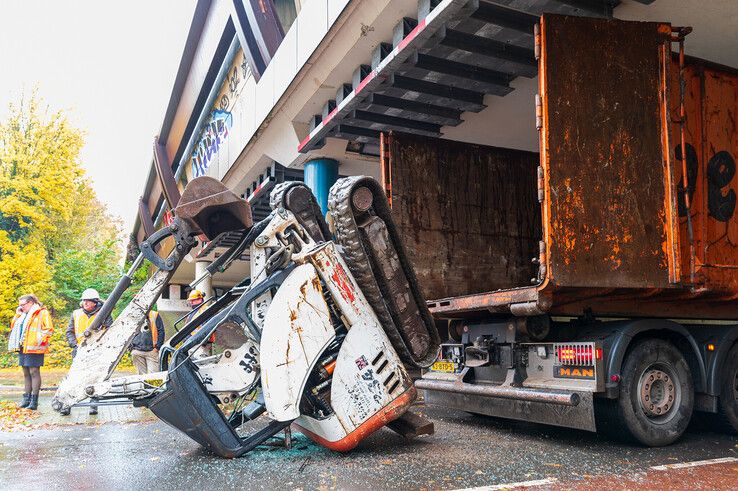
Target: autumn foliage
(56, 238)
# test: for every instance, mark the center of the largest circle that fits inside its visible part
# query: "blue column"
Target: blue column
(320, 175)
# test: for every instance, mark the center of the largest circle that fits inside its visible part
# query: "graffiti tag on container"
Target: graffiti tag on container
(720, 173)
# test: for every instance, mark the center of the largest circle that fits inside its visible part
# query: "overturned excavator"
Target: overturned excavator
(318, 337)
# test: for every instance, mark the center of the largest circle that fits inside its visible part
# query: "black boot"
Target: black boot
(26, 400)
(93, 408)
(33, 405)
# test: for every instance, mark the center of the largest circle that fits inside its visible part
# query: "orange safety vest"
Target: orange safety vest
(38, 332)
(152, 326)
(81, 323)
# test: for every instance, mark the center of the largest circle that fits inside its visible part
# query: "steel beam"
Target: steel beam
(166, 176)
(491, 81)
(467, 100)
(444, 11)
(147, 222)
(505, 17)
(383, 122)
(407, 108)
(489, 48)
(364, 135)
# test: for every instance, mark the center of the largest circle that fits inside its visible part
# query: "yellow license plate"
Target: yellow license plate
(443, 366)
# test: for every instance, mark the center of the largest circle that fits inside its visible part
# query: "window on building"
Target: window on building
(287, 11)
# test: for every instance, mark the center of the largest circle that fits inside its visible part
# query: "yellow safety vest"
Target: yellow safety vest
(81, 323)
(38, 331)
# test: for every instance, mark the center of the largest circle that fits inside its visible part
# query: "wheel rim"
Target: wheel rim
(659, 393)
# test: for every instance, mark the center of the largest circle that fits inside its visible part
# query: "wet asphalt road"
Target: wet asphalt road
(466, 451)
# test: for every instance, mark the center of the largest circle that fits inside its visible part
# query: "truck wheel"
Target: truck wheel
(656, 394)
(728, 399)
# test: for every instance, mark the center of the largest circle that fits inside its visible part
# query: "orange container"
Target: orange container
(604, 215)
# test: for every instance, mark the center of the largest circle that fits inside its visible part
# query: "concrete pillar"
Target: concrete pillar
(206, 285)
(320, 175)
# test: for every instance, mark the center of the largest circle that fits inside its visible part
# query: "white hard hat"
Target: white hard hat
(90, 294)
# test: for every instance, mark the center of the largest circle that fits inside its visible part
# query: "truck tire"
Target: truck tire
(728, 399)
(656, 394)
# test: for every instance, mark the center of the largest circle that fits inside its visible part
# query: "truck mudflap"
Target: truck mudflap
(186, 405)
(570, 409)
(376, 257)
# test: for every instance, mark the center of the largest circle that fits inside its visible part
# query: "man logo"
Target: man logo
(574, 372)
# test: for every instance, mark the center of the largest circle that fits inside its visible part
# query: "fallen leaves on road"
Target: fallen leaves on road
(14, 418)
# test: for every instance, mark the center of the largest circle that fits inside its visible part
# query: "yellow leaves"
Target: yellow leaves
(14, 418)
(47, 206)
(39, 168)
(22, 265)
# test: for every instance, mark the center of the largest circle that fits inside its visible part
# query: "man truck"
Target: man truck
(593, 284)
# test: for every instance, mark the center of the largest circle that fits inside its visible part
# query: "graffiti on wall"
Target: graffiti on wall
(214, 133)
(213, 136)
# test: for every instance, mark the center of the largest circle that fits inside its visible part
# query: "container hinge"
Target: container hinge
(540, 184)
(537, 40)
(539, 113)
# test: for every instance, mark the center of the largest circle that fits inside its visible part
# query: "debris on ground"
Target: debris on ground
(14, 418)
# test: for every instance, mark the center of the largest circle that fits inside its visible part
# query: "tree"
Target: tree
(56, 238)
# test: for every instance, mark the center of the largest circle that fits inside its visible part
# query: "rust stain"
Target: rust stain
(317, 285)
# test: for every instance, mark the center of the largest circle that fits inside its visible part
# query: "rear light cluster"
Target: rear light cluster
(577, 354)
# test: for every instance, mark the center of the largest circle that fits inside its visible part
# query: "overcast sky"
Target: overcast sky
(112, 65)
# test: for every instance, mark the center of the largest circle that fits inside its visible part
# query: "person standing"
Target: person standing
(147, 343)
(30, 334)
(90, 305)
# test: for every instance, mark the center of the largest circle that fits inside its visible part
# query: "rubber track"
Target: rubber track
(310, 216)
(348, 235)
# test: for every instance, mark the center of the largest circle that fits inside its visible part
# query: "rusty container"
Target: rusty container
(602, 218)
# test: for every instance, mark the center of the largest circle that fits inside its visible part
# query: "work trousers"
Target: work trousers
(145, 361)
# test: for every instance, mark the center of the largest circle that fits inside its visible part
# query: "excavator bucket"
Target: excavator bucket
(210, 208)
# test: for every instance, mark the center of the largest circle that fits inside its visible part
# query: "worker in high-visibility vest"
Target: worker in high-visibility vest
(196, 301)
(147, 343)
(30, 334)
(81, 319)
(90, 304)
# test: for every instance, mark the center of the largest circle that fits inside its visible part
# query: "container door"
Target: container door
(609, 202)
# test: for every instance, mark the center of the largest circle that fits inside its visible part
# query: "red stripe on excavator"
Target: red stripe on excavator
(387, 414)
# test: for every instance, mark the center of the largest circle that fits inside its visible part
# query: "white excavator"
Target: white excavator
(317, 338)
